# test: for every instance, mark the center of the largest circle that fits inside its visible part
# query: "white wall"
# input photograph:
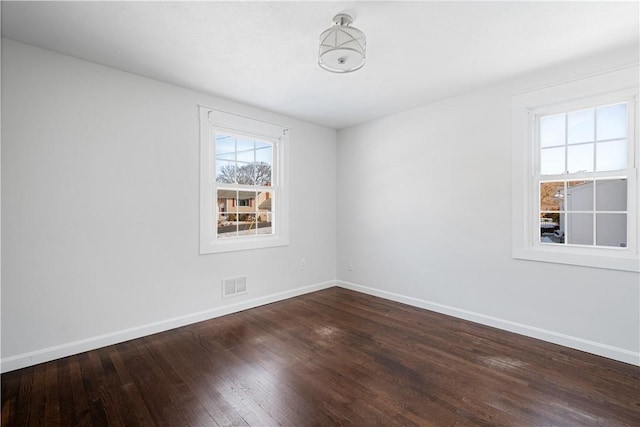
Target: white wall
(424, 216)
(100, 215)
(100, 209)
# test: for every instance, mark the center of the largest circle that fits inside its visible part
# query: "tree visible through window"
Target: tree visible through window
(251, 174)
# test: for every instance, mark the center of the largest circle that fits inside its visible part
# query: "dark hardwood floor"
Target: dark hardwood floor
(333, 357)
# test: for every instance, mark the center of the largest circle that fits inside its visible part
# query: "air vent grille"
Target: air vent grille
(233, 286)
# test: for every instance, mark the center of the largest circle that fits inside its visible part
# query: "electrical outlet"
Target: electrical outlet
(303, 263)
(350, 266)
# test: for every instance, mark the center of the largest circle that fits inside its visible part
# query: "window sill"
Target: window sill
(242, 244)
(560, 256)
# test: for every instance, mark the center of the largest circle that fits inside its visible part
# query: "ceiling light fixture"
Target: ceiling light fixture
(342, 47)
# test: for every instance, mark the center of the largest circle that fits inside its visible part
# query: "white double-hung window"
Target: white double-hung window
(575, 173)
(243, 191)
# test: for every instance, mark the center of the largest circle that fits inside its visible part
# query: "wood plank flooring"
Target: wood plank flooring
(333, 357)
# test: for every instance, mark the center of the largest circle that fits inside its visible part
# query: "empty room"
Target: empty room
(367, 213)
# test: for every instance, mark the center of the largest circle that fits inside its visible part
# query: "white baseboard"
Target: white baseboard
(47, 354)
(597, 348)
(68, 349)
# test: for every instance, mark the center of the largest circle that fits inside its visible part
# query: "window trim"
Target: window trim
(525, 107)
(212, 121)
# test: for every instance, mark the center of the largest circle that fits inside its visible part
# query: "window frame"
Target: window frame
(211, 122)
(606, 88)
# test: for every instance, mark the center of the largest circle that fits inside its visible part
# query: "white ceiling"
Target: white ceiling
(265, 53)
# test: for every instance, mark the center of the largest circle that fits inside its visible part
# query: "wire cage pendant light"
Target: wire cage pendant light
(342, 47)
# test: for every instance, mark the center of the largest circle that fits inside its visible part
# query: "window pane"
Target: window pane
(552, 161)
(225, 172)
(246, 151)
(579, 196)
(247, 225)
(552, 130)
(611, 195)
(551, 196)
(246, 201)
(579, 229)
(227, 203)
(611, 155)
(264, 153)
(265, 212)
(266, 226)
(580, 158)
(580, 126)
(262, 173)
(612, 121)
(611, 230)
(225, 147)
(551, 228)
(247, 213)
(246, 174)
